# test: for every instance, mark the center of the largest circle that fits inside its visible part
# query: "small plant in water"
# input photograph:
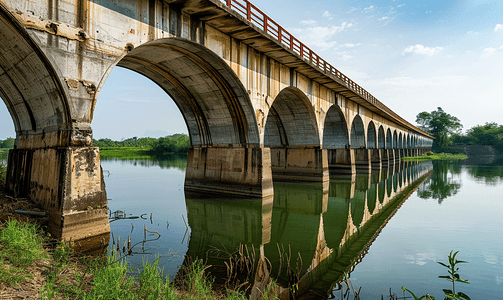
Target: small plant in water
(452, 277)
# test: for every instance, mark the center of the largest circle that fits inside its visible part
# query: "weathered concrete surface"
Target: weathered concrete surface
(341, 161)
(299, 164)
(231, 171)
(375, 159)
(363, 160)
(68, 184)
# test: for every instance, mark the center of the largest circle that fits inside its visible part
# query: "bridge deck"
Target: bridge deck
(245, 22)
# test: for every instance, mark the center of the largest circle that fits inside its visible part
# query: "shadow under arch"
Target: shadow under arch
(381, 138)
(291, 132)
(30, 86)
(291, 121)
(371, 135)
(335, 129)
(357, 136)
(358, 144)
(389, 139)
(336, 141)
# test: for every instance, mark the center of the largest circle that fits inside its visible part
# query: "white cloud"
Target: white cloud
(369, 8)
(420, 49)
(350, 45)
(498, 27)
(308, 22)
(490, 51)
(320, 36)
(326, 14)
(400, 5)
(383, 18)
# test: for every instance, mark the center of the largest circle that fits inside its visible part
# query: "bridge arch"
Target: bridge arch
(389, 139)
(400, 141)
(30, 85)
(291, 121)
(395, 140)
(357, 137)
(335, 129)
(213, 101)
(371, 136)
(381, 138)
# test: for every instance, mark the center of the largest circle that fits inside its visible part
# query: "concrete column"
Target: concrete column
(341, 162)
(375, 158)
(239, 171)
(304, 164)
(67, 183)
(362, 160)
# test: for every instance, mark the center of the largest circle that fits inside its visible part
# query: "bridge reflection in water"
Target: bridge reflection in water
(309, 235)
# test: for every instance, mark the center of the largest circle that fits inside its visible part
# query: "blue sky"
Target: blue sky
(412, 55)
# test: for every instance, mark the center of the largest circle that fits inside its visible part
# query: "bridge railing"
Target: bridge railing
(253, 14)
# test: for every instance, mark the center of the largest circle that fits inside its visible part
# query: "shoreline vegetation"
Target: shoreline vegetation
(33, 266)
(437, 156)
(164, 146)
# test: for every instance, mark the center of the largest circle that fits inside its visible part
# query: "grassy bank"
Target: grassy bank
(437, 156)
(125, 152)
(3, 171)
(31, 268)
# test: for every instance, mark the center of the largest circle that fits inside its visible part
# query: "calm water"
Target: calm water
(358, 226)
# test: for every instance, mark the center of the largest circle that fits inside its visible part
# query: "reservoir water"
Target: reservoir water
(387, 229)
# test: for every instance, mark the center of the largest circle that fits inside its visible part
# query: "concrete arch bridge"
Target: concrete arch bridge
(259, 105)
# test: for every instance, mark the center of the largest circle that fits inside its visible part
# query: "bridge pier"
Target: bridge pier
(375, 158)
(341, 162)
(362, 160)
(307, 164)
(240, 171)
(67, 183)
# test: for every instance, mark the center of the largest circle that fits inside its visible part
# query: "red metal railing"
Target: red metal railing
(255, 16)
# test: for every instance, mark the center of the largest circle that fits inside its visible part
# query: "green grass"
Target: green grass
(67, 277)
(437, 156)
(20, 245)
(3, 171)
(125, 152)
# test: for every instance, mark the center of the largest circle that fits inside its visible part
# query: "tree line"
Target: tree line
(176, 143)
(7, 143)
(447, 131)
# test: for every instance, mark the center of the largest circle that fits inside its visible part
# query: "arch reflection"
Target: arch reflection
(309, 235)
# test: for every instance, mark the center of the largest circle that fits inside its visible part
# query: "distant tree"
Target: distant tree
(488, 134)
(7, 143)
(439, 124)
(104, 143)
(177, 143)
